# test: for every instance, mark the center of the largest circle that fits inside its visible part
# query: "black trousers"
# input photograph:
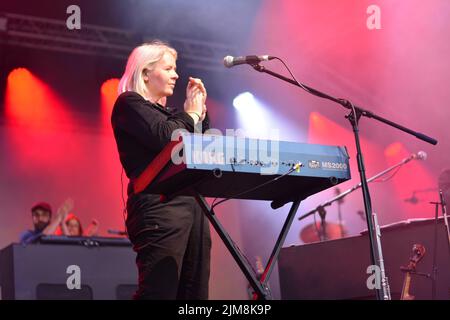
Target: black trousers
(173, 245)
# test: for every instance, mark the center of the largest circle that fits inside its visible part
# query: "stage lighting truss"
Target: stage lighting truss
(198, 54)
(51, 34)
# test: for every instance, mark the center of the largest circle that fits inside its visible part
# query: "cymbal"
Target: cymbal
(310, 233)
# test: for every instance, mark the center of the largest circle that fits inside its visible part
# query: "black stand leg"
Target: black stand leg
(276, 250)
(434, 268)
(259, 286)
(353, 117)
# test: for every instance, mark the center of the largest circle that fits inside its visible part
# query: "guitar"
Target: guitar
(418, 253)
(259, 272)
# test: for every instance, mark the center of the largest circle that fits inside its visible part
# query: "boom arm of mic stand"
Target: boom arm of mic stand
(346, 104)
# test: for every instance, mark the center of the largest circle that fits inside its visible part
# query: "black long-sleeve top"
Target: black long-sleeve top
(142, 129)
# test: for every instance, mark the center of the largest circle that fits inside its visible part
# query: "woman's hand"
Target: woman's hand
(195, 82)
(195, 99)
(60, 218)
(64, 209)
(92, 229)
(203, 115)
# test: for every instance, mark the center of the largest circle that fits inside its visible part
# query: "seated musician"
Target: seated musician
(41, 214)
(72, 227)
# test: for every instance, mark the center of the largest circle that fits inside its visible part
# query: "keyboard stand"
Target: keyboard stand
(260, 287)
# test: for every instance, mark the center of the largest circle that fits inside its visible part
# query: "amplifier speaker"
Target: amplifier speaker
(40, 272)
(337, 269)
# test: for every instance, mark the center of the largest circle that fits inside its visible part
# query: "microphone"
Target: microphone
(117, 232)
(421, 155)
(412, 200)
(230, 61)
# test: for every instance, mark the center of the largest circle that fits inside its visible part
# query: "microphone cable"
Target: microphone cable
(295, 167)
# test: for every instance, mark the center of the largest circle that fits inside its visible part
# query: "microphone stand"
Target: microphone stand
(444, 214)
(341, 224)
(434, 269)
(355, 187)
(414, 199)
(323, 225)
(354, 116)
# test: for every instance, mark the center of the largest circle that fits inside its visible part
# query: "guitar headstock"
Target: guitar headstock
(418, 253)
(259, 266)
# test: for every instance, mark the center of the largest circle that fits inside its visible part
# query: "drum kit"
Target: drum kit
(319, 231)
(323, 230)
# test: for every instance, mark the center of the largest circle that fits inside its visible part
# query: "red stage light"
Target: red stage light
(24, 95)
(30, 101)
(393, 150)
(109, 93)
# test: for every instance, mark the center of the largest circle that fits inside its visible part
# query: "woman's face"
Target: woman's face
(73, 227)
(160, 81)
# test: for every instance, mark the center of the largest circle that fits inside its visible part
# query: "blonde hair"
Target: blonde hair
(143, 57)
